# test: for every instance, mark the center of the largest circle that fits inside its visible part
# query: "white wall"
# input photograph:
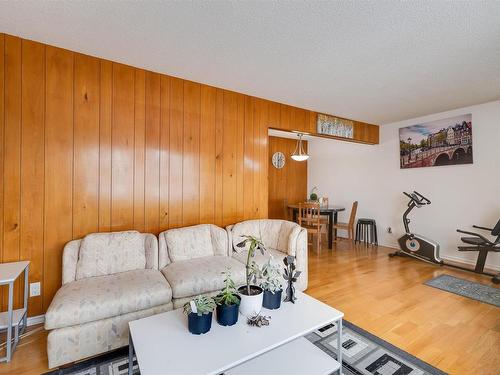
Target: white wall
(461, 195)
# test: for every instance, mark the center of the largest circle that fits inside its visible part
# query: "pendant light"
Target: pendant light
(299, 153)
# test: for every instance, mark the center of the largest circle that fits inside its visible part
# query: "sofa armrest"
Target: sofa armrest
(70, 260)
(151, 251)
(229, 230)
(297, 247)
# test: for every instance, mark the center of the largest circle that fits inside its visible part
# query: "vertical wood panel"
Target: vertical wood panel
(249, 170)
(176, 144)
(105, 121)
(58, 165)
(86, 146)
(12, 158)
(32, 163)
(139, 148)
(164, 151)
(152, 166)
(240, 154)
(219, 152)
(191, 155)
(207, 154)
(229, 149)
(2, 146)
(263, 145)
(122, 148)
(274, 115)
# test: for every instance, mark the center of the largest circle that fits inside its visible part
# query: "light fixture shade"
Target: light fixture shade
(300, 157)
(299, 154)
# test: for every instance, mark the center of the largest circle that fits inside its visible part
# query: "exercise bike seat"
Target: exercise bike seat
(473, 240)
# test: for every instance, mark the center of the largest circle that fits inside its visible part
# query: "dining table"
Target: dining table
(330, 211)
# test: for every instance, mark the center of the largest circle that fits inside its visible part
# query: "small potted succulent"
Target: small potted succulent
(199, 312)
(313, 196)
(227, 302)
(251, 294)
(271, 283)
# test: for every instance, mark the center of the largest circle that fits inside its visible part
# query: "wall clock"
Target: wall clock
(278, 160)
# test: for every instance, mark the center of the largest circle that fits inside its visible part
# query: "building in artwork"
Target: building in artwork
(458, 134)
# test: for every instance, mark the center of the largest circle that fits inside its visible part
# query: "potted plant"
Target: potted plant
(271, 283)
(199, 312)
(313, 196)
(251, 295)
(227, 302)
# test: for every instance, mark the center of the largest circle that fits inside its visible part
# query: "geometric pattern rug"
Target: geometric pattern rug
(466, 288)
(367, 354)
(362, 354)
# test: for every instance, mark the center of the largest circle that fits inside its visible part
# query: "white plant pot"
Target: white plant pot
(251, 305)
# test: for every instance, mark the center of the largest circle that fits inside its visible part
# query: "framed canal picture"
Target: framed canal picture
(440, 142)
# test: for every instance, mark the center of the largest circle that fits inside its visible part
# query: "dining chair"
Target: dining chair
(349, 227)
(309, 218)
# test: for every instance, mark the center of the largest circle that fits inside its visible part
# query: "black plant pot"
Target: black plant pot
(199, 324)
(227, 315)
(272, 301)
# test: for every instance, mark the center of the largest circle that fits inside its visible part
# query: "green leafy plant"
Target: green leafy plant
(204, 305)
(313, 196)
(252, 271)
(271, 276)
(229, 294)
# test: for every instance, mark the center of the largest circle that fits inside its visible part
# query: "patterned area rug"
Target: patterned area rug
(363, 354)
(466, 288)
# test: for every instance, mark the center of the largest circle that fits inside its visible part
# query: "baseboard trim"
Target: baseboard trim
(455, 260)
(33, 320)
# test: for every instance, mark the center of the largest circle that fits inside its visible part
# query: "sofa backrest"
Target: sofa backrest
(274, 233)
(99, 254)
(191, 242)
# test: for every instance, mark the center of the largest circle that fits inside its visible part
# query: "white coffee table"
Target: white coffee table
(163, 344)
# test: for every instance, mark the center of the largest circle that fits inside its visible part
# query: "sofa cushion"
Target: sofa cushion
(201, 275)
(108, 253)
(275, 234)
(259, 258)
(103, 297)
(189, 242)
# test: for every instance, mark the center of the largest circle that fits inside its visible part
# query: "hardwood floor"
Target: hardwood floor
(387, 298)
(384, 296)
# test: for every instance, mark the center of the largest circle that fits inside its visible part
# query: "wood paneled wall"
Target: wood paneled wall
(91, 145)
(287, 185)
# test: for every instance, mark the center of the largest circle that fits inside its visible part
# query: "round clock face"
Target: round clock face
(278, 160)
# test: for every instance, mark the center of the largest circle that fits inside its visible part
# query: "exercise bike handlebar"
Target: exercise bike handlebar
(418, 198)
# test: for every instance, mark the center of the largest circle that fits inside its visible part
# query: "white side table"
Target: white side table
(17, 319)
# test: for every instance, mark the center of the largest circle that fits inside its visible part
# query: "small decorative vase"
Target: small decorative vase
(250, 304)
(198, 325)
(227, 315)
(272, 301)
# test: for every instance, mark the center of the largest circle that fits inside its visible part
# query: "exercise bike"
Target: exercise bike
(419, 247)
(412, 244)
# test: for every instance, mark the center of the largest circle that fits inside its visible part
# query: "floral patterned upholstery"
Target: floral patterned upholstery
(69, 344)
(280, 237)
(201, 275)
(102, 297)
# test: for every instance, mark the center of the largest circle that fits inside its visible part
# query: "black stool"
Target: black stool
(366, 231)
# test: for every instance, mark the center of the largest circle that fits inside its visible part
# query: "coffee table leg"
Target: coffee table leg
(130, 354)
(339, 344)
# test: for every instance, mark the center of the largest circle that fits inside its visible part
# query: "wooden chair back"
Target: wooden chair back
(353, 214)
(309, 215)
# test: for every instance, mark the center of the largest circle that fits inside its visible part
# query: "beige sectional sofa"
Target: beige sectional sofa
(110, 279)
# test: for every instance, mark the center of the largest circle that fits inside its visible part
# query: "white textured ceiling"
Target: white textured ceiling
(377, 61)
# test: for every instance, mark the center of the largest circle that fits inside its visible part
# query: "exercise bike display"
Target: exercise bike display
(413, 244)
